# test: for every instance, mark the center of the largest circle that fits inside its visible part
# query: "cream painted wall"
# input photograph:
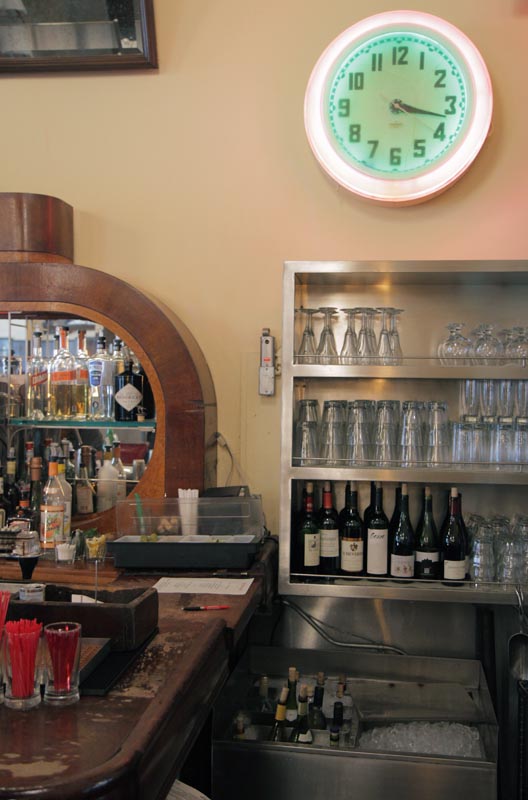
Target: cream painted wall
(196, 182)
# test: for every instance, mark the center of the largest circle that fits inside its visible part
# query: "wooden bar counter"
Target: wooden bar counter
(132, 742)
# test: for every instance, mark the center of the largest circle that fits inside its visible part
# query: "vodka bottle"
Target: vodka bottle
(52, 509)
(37, 381)
(62, 381)
(101, 368)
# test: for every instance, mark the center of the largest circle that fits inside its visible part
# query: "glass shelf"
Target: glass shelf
(19, 422)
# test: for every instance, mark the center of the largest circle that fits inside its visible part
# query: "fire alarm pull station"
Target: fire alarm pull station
(267, 363)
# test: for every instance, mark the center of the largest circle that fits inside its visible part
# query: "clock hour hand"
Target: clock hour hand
(398, 106)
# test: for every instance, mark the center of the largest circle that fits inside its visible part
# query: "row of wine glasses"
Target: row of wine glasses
(362, 347)
(484, 345)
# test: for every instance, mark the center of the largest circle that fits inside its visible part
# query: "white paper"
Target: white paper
(203, 585)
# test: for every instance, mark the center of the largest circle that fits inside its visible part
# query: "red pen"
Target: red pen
(204, 608)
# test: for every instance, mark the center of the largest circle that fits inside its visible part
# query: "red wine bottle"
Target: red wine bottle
(352, 534)
(329, 533)
(427, 545)
(453, 539)
(377, 538)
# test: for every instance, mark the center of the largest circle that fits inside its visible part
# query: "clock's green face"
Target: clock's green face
(397, 104)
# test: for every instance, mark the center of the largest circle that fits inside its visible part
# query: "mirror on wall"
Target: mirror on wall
(72, 389)
(76, 35)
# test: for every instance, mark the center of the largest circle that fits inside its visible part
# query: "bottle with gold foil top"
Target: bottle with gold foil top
(62, 380)
(52, 509)
(37, 381)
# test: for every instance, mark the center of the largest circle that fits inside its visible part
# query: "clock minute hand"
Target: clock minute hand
(398, 106)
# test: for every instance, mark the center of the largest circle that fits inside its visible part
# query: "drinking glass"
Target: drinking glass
(63, 640)
(307, 350)
(438, 436)
(482, 564)
(326, 349)
(521, 398)
(367, 345)
(359, 434)
(385, 353)
(306, 443)
(411, 437)
(20, 646)
(505, 394)
(508, 552)
(394, 315)
(521, 443)
(455, 349)
(332, 432)
(521, 532)
(462, 449)
(488, 397)
(517, 348)
(386, 432)
(308, 410)
(469, 402)
(487, 348)
(502, 448)
(349, 351)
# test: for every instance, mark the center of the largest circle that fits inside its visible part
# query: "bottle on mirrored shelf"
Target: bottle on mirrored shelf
(69, 460)
(22, 517)
(328, 533)
(333, 736)
(301, 732)
(118, 355)
(11, 491)
(148, 404)
(291, 703)
(453, 540)
(265, 705)
(316, 716)
(107, 482)
(402, 543)
(5, 506)
(378, 537)
(370, 508)
(81, 389)
(52, 509)
(427, 545)
(24, 480)
(278, 729)
(84, 489)
(309, 536)
(68, 496)
(118, 464)
(128, 387)
(62, 380)
(352, 534)
(101, 369)
(37, 381)
(35, 491)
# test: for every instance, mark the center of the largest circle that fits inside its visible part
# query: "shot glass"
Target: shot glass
(63, 650)
(20, 646)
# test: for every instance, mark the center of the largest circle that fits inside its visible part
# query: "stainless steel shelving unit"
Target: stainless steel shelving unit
(432, 294)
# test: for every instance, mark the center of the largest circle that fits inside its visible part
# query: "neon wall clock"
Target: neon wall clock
(398, 107)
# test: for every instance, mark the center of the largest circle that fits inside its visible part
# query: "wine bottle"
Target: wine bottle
(338, 719)
(352, 534)
(402, 543)
(370, 508)
(301, 732)
(291, 703)
(309, 536)
(278, 729)
(393, 523)
(316, 716)
(377, 537)
(329, 534)
(453, 541)
(427, 546)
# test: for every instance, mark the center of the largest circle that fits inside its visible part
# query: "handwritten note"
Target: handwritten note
(203, 585)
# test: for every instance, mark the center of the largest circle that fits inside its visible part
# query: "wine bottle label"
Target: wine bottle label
(38, 378)
(291, 714)
(305, 738)
(84, 500)
(129, 397)
(377, 551)
(454, 570)
(329, 542)
(402, 566)
(422, 556)
(352, 555)
(312, 550)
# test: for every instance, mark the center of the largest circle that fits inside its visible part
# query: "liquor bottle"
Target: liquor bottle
(118, 355)
(81, 388)
(11, 492)
(316, 716)
(291, 703)
(5, 507)
(377, 537)
(84, 492)
(402, 544)
(338, 718)
(352, 534)
(107, 480)
(309, 537)
(370, 508)
(118, 464)
(128, 387)
(101, 368)
(37, 381)
(35, 492)
(427, 546)
(301, 732)
(68, 496)
(278, 729)
(453, 541)
(22, 517)
(148, 395)
(52, 509)
(24, 481)
(62, 380)
(329, 533)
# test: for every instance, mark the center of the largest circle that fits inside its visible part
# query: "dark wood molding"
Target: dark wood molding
(35, 226)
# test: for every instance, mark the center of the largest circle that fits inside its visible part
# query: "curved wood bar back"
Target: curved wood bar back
(35, 227)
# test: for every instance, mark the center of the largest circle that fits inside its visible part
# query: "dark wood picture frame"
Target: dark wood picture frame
(104, 58)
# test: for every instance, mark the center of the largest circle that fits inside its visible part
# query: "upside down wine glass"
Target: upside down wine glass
(456, 348)
(349, 350)
(327, 350)
(307, 350)
(394, 336)
(367, 345)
